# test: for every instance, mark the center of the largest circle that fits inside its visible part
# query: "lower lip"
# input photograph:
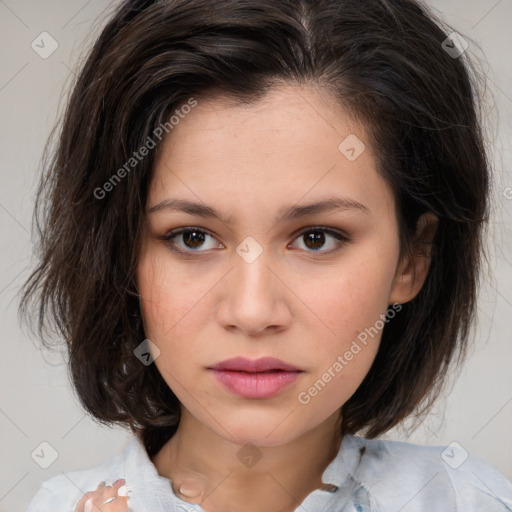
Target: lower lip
(255, 385)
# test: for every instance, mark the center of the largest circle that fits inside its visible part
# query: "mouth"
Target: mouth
(256, 379)
(262, 365)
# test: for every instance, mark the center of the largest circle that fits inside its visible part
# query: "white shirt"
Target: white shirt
(366, 476)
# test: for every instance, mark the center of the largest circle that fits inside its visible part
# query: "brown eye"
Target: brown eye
(192, 240)
(316, 238)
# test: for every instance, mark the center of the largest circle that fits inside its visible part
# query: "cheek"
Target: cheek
(353, 297)
(165, 296)
(162, 308)
(352, 304)
(341, 361)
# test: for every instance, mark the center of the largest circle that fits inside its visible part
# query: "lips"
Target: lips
(265, 364)
(255, 379)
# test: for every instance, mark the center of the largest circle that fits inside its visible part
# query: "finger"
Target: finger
(88, 496)
(120, 504)
(98, 498)
(120, 487)
(115, 498)
(92, 500)
(118, 483)
(80, 503)
(107, 492)
(115, 486)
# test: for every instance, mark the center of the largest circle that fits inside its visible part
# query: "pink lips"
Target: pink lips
(261, 378)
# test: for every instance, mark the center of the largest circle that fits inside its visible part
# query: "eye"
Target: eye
(193, 239)
(315, 237)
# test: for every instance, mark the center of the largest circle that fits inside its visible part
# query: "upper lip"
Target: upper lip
(263, 364)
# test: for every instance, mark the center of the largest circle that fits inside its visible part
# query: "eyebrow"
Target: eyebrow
(288, 213)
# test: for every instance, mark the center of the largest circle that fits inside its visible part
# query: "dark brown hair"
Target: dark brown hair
(385, 62)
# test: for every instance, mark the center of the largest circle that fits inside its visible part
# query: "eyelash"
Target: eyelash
(168, 239)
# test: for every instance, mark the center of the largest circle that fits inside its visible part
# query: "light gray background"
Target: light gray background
(37, 403)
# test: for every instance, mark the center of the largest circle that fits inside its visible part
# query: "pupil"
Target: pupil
(315, 237)
(197, 238)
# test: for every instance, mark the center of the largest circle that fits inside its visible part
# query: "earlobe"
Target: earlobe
(413, 269)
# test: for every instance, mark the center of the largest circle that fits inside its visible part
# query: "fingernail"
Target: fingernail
(88, 505)
(119, 481)
(122, 491)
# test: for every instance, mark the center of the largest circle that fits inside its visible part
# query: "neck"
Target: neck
(223, 476)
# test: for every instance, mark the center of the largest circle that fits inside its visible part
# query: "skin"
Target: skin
(303, 304)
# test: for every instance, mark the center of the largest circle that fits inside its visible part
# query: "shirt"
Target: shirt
(365, 476)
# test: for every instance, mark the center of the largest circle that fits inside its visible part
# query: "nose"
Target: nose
(254, 298)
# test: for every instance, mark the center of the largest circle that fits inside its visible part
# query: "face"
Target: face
(253, 282)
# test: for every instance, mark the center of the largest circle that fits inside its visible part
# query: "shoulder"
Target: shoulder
(62, 491)
(419, 478)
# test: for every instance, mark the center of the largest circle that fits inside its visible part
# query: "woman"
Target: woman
(262, 235)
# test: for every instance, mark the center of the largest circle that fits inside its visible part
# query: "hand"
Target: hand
(101, 500)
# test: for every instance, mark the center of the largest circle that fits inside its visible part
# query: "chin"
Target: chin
(272, 432)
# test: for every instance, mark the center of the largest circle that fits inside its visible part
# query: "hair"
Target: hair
(382, 60)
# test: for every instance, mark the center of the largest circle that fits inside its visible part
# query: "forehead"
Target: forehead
(293, 111)
(295, 145)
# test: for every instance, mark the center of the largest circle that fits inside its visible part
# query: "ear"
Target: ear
(412, 270)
